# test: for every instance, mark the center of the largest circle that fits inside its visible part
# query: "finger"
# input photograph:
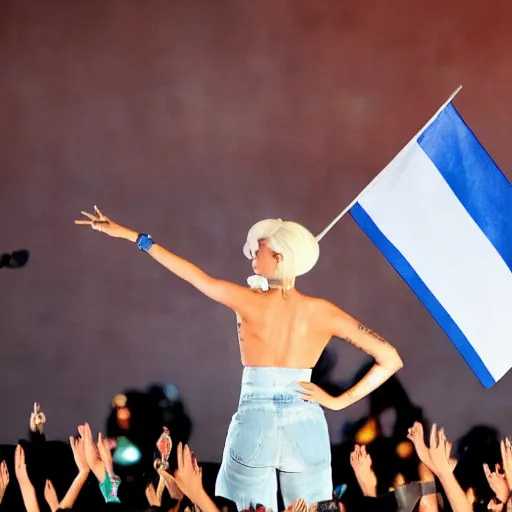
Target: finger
(487, 471)
(89, 216)
(179, 455)
(21, 454)
(306, 385)
(433, 436)
(36, 408)
(306, 397)
(84, 222)
(448, 449)
(88, 432)
(196, 465)
(187, 457)
(97, 210)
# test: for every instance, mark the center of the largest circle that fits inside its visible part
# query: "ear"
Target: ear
(279, 257)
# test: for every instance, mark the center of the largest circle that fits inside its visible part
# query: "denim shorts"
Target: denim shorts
(275, 435)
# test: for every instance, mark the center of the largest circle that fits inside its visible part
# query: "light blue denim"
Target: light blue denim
(275, 434)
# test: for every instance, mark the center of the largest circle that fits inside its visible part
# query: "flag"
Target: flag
(441, 213)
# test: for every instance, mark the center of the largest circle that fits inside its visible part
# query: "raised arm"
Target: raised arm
(387, 361)
(240, 299)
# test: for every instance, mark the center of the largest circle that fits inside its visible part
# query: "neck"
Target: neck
(281, 284)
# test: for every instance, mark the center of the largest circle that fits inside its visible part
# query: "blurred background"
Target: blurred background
(191, 120)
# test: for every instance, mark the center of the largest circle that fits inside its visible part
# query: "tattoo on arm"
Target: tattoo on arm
(367, 330)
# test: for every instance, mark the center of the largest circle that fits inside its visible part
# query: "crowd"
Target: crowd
(38, 475)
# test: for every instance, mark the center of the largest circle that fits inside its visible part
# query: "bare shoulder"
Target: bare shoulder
(321, 304)
(322, 307)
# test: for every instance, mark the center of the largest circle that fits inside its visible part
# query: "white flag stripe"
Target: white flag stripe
(448, 251)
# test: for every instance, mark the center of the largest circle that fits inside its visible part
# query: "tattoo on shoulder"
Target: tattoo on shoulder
(367, 330)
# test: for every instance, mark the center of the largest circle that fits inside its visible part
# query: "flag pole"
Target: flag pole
(341, 214)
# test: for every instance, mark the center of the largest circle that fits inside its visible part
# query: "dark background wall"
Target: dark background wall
(191, 120)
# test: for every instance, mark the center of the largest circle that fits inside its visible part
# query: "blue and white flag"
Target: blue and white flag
(441, 213)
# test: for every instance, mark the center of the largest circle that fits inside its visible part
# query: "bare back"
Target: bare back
(286, 332)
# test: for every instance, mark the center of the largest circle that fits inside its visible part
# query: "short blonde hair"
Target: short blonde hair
(296, 244)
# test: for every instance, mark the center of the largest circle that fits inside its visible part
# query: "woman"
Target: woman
(279, 425)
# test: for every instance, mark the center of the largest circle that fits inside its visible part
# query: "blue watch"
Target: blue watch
(144, 242)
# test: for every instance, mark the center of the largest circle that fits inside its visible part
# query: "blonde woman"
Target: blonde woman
(279, 431)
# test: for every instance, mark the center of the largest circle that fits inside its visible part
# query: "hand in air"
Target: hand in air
(37, 419)
(417, 436)
(189, 475)
(78, 448)
(315, 393)
(100, 222)
(50, 495)
(105, 454)
(151, 496)
(92, 455)
(298, 505)
(361, 463)
(497, 482)
(506, 458)
(439, 451)
(20, 466)
(4, 479)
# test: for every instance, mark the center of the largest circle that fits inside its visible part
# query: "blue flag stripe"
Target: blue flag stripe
(478, 183)
(442, 317)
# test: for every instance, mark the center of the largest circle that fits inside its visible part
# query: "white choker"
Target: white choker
(257, 282)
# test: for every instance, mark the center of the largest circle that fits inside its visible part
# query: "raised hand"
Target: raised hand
(171, 485)
(315, 393)
(152, 497)
(91, 453)
(100, 222)
(78, 448)
(506, 459)
(497, 482)
(188, 476)
(440, 449)
(50, 495)
(361, 463)
(20, 467)
(4, 479)
(299, 505)
(27, 489)
(105, 454)
(416, 435)
(37, 419)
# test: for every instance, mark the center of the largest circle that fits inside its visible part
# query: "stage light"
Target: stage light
(126, 453)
